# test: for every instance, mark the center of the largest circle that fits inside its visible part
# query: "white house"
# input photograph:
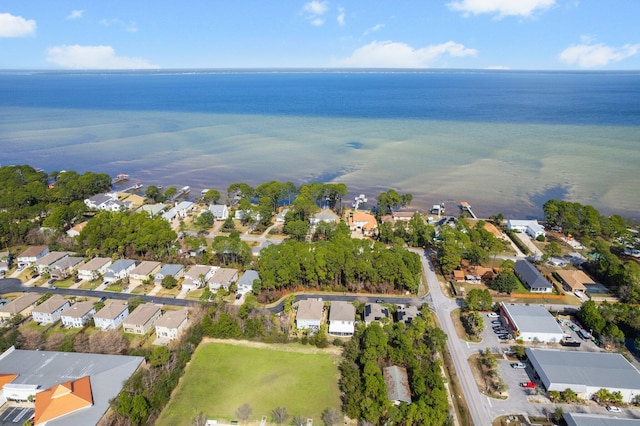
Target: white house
(342, 319)
(530, 227)
(222, 278)
(245, 283)
(326, 215)
(78, 315)
(219, 211)
(184, 208)
(281, 216)
(111, 316)
(94, 268)
(50, 310)
(45, 262)
(197, 276)
(108, 202)
(118, 270)
(172, 324)
(30, 255)
(310, 314)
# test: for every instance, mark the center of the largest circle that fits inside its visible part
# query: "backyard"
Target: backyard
(223, 376)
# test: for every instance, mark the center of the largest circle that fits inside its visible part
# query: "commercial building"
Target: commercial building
(531, 323)
(585, 372)
(582, 419)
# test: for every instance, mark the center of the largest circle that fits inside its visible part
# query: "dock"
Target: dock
(135, 187)
(467, 207)
(121, 177)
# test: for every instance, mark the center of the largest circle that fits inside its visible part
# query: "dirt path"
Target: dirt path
(284, 347)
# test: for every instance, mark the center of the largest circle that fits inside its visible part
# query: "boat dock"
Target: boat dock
(467, 207)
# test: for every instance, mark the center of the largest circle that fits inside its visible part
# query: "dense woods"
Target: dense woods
(417, 348)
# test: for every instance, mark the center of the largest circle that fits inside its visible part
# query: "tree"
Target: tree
(170, 192)
(505, 282)
(153, 193)
(479, 300)
(159, 356)
(228, 225)
(551, 250)
(298, 420)
(243, 412)
(199, 420)
(557, 414)
(279, 415)
(392, 200)
(211, 196)
(204, 220)
(297, 229)
(332, 417)
(169, 281)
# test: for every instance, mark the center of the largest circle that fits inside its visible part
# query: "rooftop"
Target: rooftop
(111, 310)
(78, 310)
(20, 304)
(224, 275)
(310, 309)
(532, 277)
(342, 311)
(582, 419)
(173, 319)
(532, 318)
(33, 251)
(145, 268)
(51, 305)
(142, 314)
(575, 279)
(51, 257)
(248, 277)
(96, 263)
(397, 382)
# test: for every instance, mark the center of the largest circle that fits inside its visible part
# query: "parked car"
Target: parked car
(51, 281)
(528, 385)
(519, 365)
(496, 322)
(612, 409)
(493, 315)
(36, 275)
(103, 298)
(503, 336)
(53, 287)
(379, 300)
(77, 280)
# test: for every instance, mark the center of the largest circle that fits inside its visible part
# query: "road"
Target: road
(478, 404)
(10, 285)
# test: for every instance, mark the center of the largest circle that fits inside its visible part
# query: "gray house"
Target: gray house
(397, 382)
(532, 278)
(245, 283)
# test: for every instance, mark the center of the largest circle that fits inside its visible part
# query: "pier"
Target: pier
(467, 207)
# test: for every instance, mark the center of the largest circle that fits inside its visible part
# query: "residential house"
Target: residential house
(375, 312)
(326, 215)
(63, 267)
(458, 275)
(142, 318)
(170, 215)
(342, 319)
(50, 310)
(531, 277)
(184, 208)
(364, 222)
(397, 382)
(45, 262)
(406, 314)
(219, 211)
(402, 216)
(222, 278)
(118, 270)
(94, 268)
(177, 271)
(107, 202)
(172, 324)
(281, 216)
(144, 271)
(75, 230)
(78, 314)
(197, 276)
(110, 317)
(245, 283)
(30, 255)
(23, 305)
(244, 214)
(152, 209)
(574, 280)
(310, 314)
(530, 227)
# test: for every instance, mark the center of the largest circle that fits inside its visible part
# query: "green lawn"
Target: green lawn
(222, 377)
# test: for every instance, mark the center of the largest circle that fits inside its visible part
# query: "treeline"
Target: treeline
(611, 322)
(623, 278)
(127, 234)
(340, 264)
(29, 197)
(416, 348)
(415, 232)
(584, 221)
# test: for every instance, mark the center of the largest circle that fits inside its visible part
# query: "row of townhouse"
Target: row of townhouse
(342, 315)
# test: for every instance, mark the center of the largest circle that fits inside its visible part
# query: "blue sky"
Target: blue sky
(136, 34)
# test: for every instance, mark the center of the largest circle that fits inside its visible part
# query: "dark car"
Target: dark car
(77, 280)
(379, 300)
(35, 276)
(51, 281)
(238, 296)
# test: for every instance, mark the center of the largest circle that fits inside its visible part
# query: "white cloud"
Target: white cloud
(16, 26)
(130, 27)
(93, 57)
(501, 7)
(316, 7)
(340, 17)
(373, 29)
(389, 54)
(75, 14)
(314, 10)
(596, 55)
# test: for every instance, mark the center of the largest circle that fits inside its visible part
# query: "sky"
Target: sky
(466, 34)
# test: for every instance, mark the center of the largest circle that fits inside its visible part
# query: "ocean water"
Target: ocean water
(503, 141)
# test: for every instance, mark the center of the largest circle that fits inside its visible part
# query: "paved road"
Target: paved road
(442, 305)
(10, 285)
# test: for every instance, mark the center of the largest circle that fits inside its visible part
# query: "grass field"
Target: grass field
(222, 377)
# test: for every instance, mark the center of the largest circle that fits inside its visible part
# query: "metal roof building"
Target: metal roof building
(585, 372)
(531, 323)
(581, 419)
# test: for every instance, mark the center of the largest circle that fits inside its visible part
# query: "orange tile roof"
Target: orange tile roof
(368, 219)
(6, 378)
(63, 399)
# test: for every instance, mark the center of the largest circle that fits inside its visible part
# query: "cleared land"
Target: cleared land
(221, 377)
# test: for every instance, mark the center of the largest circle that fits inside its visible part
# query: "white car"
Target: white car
(493, 315)
(612, 409)
(518, 365)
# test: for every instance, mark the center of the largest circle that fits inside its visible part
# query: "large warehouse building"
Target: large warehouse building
(585, 372)
(581, 419)
(531, 323)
